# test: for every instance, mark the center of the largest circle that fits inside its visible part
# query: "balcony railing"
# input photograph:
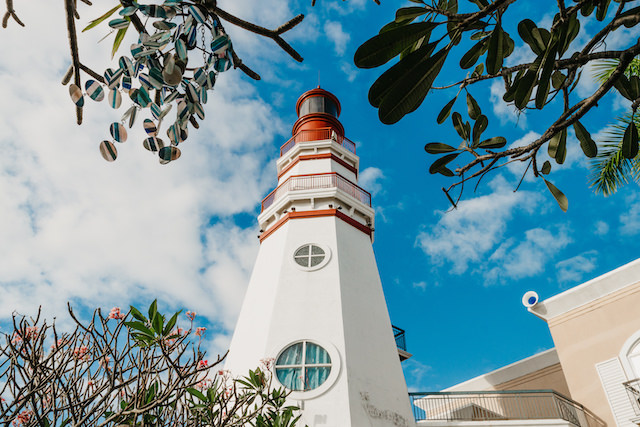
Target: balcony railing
(633, 390)
(398, 334)
(500, 405)
(317, 135)
(317, 181)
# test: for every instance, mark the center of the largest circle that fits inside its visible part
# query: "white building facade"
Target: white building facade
(315, 303)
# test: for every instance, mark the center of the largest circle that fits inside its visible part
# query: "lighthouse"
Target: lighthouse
(314, 304)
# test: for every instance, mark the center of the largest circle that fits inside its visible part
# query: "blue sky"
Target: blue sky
(76, 228)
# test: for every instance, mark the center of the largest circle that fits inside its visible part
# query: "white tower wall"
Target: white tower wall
(338, 305)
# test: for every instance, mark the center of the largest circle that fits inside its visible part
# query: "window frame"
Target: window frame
(630, 343)
(336, 366)
(325, 261)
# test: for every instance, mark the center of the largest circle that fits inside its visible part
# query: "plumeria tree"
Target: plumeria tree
(128, 369)
(480, 36)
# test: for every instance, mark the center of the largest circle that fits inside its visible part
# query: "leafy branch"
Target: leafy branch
(423, 36)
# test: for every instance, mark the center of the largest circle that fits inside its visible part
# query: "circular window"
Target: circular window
(303, 366)
(311, 256)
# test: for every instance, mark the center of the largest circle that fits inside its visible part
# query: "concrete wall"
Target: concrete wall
(593, 333)
(551, 377)
(538, 372)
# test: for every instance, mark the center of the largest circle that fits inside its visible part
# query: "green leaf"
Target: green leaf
(438, 148)
(495, 142)
(630, 141)
(442, 162)
(444, 113)
(381, 48)
(634, 83)
(623, 85)
(558, 195)
(473, 107)
(546, 167)
(452, 6)
(557, 148)
(458, 124)
(469, 59)
(524, 89)
(587, 144)
(530, 34)
(410, 90)
(479, 35)
(495, 54)
(545, 76)
(478, 127)
(557, 79)
(196, 393)
(140, 327)
(409, 13)
(478, 70)
(136, 313)
(601, 11)
(102, 18)
(157, 323)
(118, 40)
(171, 323)
(383, 85)
(153, 309)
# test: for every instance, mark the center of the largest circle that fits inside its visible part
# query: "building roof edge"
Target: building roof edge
(587, 292)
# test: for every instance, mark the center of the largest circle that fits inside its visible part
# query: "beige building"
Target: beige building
(589, 379)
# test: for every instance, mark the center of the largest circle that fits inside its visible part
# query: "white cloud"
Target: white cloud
(337, 36)
(630, 220)
(371, 179)
(416, 373)
(471, 232)
(601, 228)
(103, 234)
(350, 71)
(573, 269)
(526, 258)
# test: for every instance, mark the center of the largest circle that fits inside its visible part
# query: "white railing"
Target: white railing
(317, 181)
(318, 135)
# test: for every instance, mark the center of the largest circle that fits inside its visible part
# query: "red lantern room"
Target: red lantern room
(319, 110)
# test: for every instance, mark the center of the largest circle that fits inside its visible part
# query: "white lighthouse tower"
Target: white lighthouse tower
(314, 302)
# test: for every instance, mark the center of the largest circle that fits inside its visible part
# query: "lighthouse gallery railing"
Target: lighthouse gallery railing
(317, 135)
(317, 181)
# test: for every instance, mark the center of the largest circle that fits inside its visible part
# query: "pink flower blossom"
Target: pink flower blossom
(191, 315)
(16, 338)
(203, 364)
(22, 418)
(200, 331)
(81, 352)
(30, 333)
(116, 314)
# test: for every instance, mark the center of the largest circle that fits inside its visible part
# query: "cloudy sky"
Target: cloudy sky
(76, 228)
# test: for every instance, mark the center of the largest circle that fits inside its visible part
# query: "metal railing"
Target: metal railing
(317, 181)
(633, 390)
(398, 334)
(500, 405)
(318, 135)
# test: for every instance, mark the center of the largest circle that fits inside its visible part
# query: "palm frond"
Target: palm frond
(610, 169)
(603, 69)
